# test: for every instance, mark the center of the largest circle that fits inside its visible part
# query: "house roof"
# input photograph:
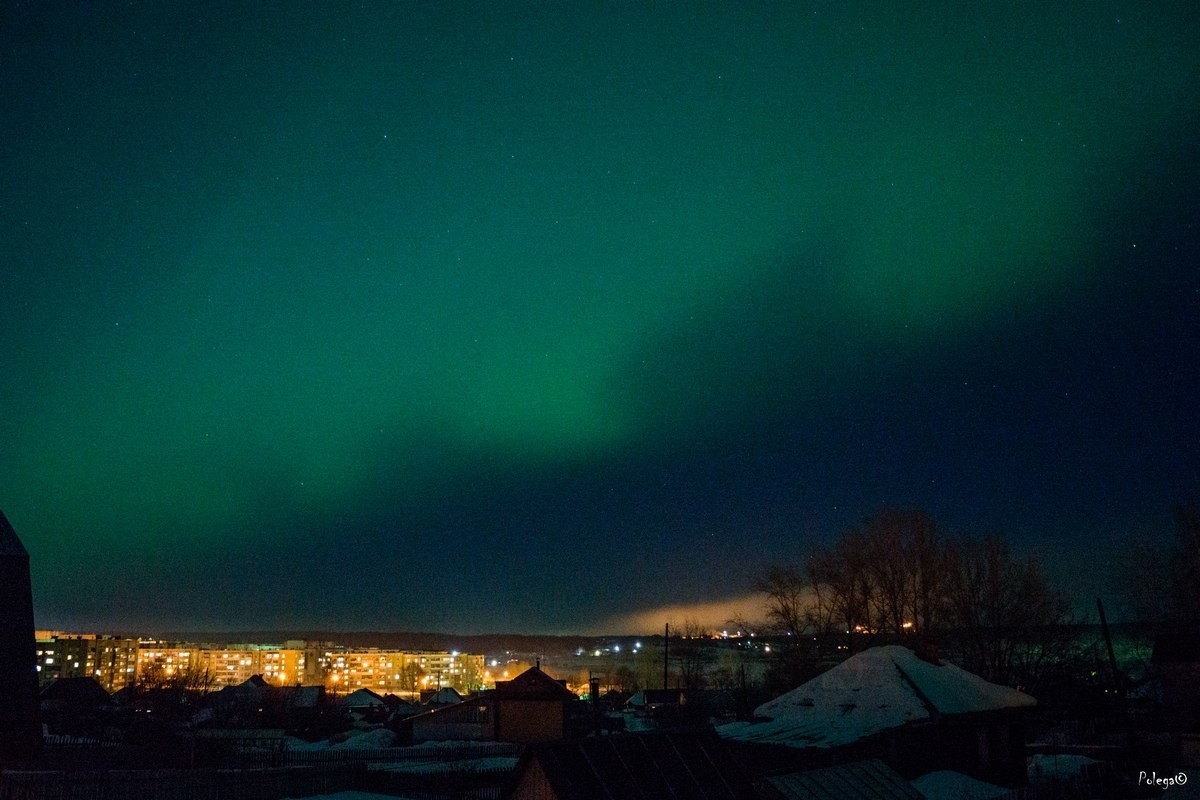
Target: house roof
(877, 689)
(640, 767)
(859, 780)
(445, 696)
(533, 684)
(468, 711)
(10, 543)
(253, 688)
(655, 697)
(302, 696)
(363, 698)
(82, 692)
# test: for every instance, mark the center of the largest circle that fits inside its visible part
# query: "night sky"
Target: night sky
(528, 317)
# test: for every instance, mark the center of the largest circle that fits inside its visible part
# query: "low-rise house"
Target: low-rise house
(443, 696)
(255, 702)
(645, 700)
(468, 721)
(917, 714)
(534, 707)
(669, 709)
(75, 707)
(398, 707)
(243, 700)
(366, 705)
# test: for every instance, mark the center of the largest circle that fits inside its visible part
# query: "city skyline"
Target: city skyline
(117, 662)
(514, 318)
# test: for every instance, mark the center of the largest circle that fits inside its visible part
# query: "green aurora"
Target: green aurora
(312, 311)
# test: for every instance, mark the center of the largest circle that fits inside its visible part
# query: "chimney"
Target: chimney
(594, 697)
(929, 650)
(20, 730)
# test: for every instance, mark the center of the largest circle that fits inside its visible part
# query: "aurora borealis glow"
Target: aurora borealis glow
(508, 316)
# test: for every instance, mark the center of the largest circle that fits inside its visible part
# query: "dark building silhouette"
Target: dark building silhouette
(20, 733)
(532, 707)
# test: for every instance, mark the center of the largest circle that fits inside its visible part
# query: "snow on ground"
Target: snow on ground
(298, 745)
(380, 737)
(426, 766)
(352, 740)
(949, 785)
(1056, 767)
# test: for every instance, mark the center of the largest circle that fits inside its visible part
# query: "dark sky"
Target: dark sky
(526, 317)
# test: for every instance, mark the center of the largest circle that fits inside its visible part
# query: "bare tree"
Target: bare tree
(931, 560)
(691, 655)
(888, 561)
(191, 680)
(1159, 578)
(896, 576)
(907, 561)
(1008, 617)
(846, 583)
(788, 606)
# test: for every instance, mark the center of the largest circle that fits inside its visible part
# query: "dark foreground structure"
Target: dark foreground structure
(20, 734)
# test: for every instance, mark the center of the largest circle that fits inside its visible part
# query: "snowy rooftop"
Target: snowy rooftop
(877, 689)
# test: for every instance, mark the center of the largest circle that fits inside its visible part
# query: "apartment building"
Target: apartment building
(118, 662)
(223, 666)
(111, 660)
(400, 672)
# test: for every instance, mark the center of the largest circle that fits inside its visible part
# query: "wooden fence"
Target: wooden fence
(90, 771)
(181, 784)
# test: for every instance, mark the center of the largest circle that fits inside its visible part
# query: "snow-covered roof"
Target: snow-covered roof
(447, 695)
(877, 689)
(363, 698)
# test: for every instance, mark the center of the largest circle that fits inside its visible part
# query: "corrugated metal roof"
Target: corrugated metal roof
(861, 780)
(645, 767)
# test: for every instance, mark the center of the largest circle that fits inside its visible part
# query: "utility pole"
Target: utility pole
(1118, 682)
(666, 653)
